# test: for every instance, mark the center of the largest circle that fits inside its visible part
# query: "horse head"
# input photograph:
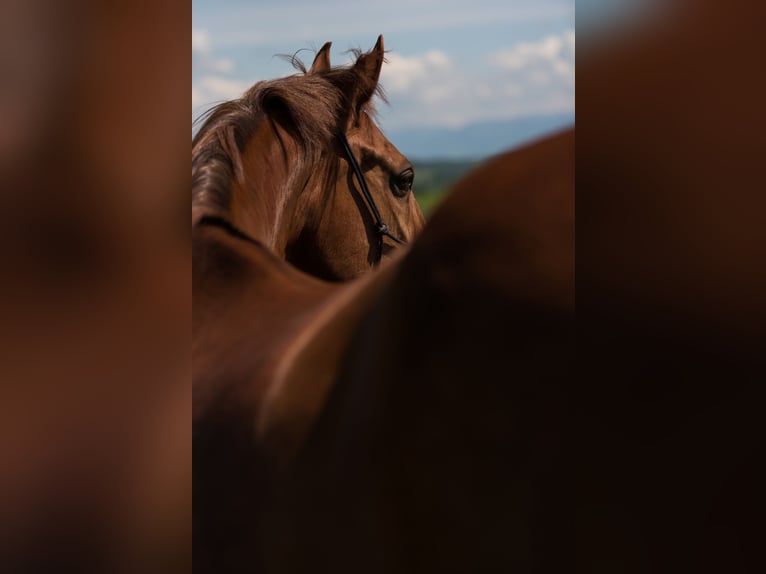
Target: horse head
(300, 165)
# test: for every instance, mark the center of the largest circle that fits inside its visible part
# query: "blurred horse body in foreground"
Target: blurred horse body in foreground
(327, 418)
(671, 293)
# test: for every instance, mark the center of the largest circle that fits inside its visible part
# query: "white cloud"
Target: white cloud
(403, 74)
(216, 83)
(211, 89)
(432, 88)
(551, 55)
(219, 66)
(525, 53)
(525, 79)
(200, 42)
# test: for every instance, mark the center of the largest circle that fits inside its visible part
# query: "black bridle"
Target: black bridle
(381, 228)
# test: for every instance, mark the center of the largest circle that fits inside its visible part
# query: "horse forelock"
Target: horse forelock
(318, 106)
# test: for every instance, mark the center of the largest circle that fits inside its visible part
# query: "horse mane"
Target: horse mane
(318, 107)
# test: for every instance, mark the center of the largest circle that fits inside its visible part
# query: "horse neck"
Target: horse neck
(266, 304)
(264, 198)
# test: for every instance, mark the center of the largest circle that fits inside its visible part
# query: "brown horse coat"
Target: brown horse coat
(443, 435)
(460, 435)
(406, 354)
(254, 315)
(272, 164)
(671, 291)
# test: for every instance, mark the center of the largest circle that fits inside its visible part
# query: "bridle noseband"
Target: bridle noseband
(381, 228)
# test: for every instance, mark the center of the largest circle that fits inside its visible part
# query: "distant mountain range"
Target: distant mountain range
(475, 141)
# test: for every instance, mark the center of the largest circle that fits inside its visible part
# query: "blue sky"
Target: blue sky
(451, 63)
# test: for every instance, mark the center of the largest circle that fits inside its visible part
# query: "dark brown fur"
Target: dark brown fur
(460, 435)
(334, 393)
(270, 163)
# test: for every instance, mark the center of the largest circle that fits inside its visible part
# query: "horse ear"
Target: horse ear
(369, 65)
(321, 60)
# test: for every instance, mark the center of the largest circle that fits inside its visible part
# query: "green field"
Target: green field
(429, 201)
(434, 178)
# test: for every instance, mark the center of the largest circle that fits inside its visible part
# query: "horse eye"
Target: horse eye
(403, 182)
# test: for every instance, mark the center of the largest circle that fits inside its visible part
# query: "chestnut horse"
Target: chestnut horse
(454, 436)
(279, 164)
(376, 425)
